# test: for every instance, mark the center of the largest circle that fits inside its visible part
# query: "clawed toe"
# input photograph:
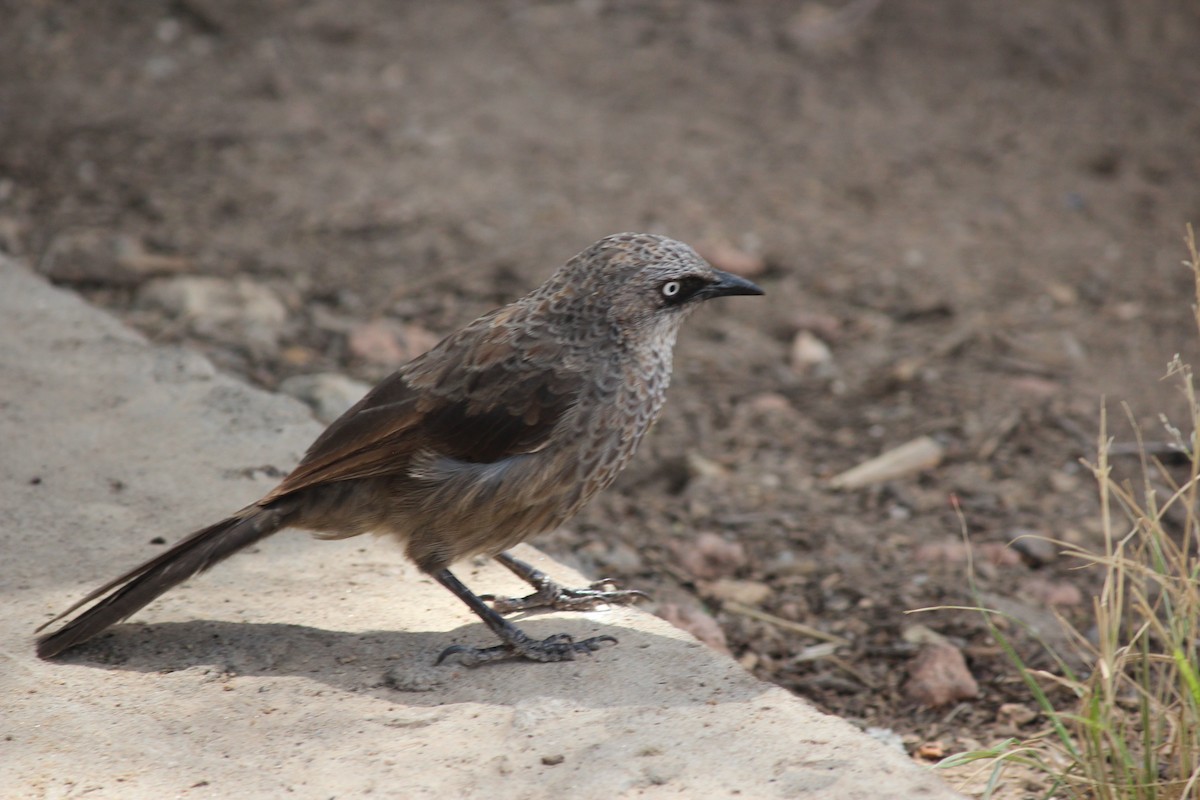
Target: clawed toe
(516, 643)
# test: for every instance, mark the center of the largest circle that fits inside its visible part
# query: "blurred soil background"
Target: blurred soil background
(968, 218)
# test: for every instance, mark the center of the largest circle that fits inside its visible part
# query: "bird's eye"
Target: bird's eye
(671, 288)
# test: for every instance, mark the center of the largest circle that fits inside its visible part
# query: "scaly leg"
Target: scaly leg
(517, 643)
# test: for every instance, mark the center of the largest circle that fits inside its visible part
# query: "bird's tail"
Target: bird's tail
(123, 596)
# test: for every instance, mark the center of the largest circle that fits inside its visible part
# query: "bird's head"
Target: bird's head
(642, 282)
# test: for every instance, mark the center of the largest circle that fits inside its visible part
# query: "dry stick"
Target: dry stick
(771, 619)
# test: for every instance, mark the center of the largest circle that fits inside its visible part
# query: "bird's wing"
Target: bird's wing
(480, 396)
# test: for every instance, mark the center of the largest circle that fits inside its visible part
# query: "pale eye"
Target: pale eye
(671, 288)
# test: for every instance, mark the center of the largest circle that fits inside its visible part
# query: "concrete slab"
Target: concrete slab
(305, 667)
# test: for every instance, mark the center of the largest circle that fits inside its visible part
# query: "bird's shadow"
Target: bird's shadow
(397, 665)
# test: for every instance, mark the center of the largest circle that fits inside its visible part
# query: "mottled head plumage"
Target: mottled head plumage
(640, 280)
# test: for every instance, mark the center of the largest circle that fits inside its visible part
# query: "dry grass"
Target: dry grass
(1131, 728)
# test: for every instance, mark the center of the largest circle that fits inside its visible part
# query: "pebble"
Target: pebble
(748, 593)
(93, 255)
(1128, 312)
(938, 676)
(621, 557)
(723, 255)
(697, 623)
(912, 457)
(998, 554)
(956, 551)
(329, 394)
(923, 635)
(708, 556)
(1039, 388)
(1062, 294)
(389, 343)
(826, 326)
(220, 308)
(1064, 482)
(699, 466)
(1036, 550)
(1051, 593)
(769, 403)
(930, 751)
(810, 354)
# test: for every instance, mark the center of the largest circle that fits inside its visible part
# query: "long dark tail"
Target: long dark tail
(196, 553)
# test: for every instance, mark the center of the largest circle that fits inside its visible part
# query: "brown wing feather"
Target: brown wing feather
(474, 397)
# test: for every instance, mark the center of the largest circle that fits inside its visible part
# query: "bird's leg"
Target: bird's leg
(517, 644)
(553, 595)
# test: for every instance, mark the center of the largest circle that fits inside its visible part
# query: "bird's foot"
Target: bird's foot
(516, 643)
(560, 598)
(560, 647)
(555, 596)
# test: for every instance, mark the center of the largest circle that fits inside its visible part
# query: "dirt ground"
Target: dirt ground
(967, 217)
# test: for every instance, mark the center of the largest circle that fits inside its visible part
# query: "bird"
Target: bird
(501, 431)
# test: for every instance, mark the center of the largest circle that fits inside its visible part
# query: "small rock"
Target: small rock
(768, 403)
(1129, 311)
(697, 623)
(810, 353)
(553, 760)
(956, 551)
(820, 30)
(947, 551)
(386, 342)
(709, 556)
(1062, 294)
(906, 370)
(133, 258)
(1000, 555)
(93, 255)
(328, 320)
(1035, 549)
(918, 455)
(237, 309)
(327, 393)
(930, 751)
(419, 339)
(1039, 388)
(923, 635)
(298, 355)
(700, 467)
(725, 256)
(748, 593)
(938, 675)
(1064, 482)
(825, 326)
(1051, 593)
(378, 343)
(1037, 620)
(621, 557)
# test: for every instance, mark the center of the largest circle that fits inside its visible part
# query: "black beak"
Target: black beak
(728, 284)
